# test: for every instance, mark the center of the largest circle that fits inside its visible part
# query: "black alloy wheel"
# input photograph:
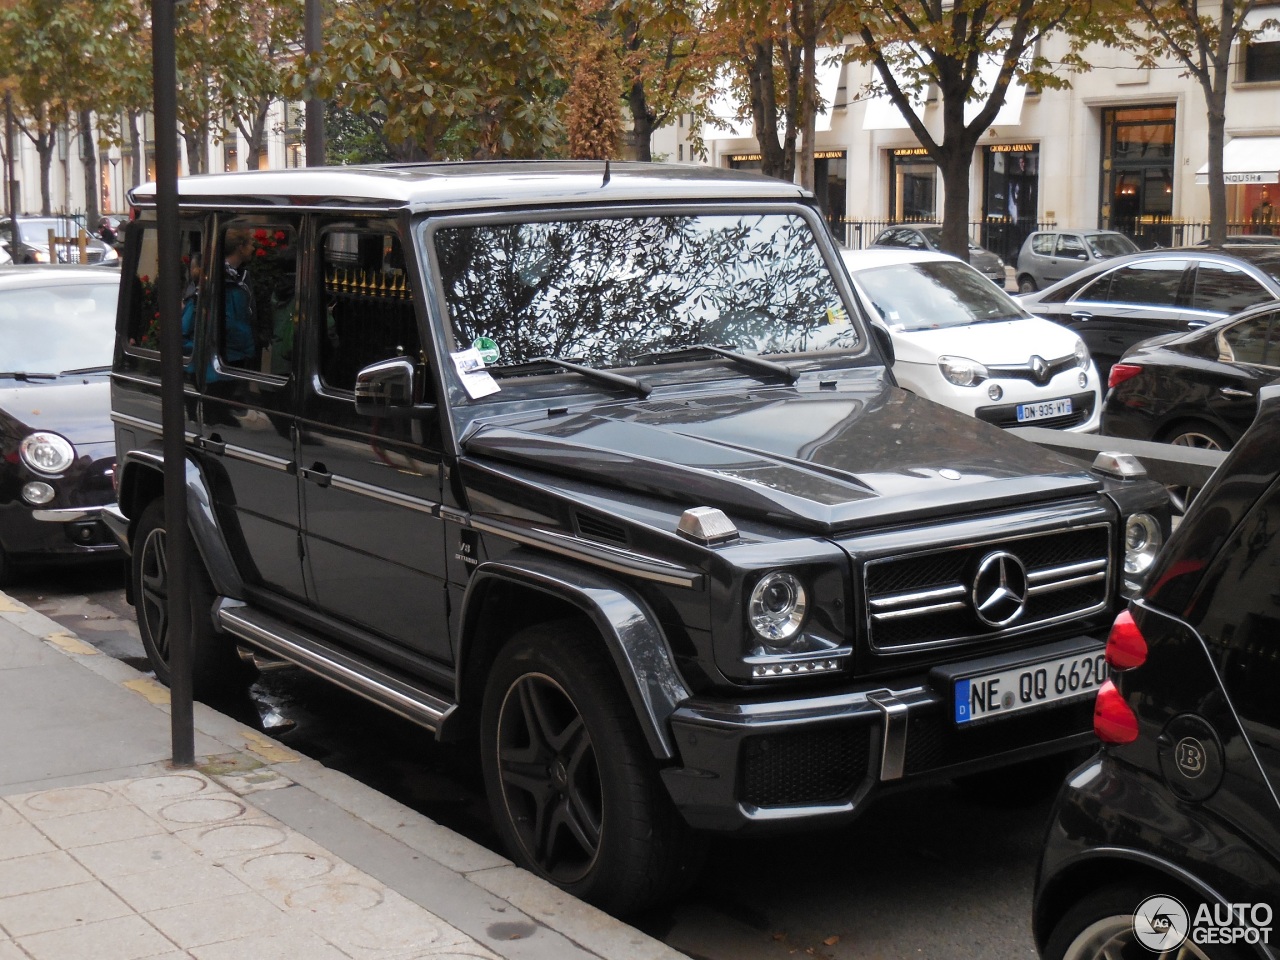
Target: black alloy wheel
(1198, 436)
(573, 788)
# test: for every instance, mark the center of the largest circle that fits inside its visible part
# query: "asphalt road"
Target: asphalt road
(937, 873)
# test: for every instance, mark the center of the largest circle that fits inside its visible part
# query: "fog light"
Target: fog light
(1083, 379)
(994, 391)
(37, 493)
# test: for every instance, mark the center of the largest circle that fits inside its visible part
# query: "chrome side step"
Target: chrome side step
(359, 676)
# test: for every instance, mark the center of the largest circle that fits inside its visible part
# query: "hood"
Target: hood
(79, 408)
(1004, 343)
(817, 460)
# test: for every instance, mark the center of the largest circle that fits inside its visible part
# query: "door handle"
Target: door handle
(214, 444)
(317, 474)
(1082, 315)
(1196, 324)
(1235, 393)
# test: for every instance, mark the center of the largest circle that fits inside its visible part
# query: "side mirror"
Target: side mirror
(388, 389)
(884, 340)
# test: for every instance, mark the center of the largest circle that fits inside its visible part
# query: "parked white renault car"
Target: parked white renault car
(962, 342)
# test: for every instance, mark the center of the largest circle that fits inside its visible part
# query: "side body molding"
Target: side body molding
(627, 626)
(205, 532)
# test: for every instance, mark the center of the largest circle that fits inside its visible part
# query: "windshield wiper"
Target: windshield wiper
(638, 387)
(103, 368)
(24, 375)
(747, 360)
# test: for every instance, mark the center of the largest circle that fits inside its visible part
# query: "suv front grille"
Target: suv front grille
(813, 766)
(931, 598)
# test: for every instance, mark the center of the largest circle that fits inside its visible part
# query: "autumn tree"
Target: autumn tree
(971, 51)
(1201, 40)
(772, 46)
(460, 79)
(593, 102)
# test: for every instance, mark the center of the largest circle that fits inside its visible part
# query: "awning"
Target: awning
(883, 114)
(1254, 20)
(1248, 160)
(724, 107)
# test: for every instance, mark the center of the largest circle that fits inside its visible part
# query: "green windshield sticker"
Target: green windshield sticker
(489, 351)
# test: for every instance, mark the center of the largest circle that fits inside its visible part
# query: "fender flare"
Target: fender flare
(201, 520)
(626, 624)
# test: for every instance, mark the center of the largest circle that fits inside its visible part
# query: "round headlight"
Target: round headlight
(47, 452)
(1142, 541)
(1082, 355)
(776, 608)
(962, 371)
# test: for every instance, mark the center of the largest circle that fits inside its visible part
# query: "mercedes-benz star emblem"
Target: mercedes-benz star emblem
(999, 589)
(1040, 368)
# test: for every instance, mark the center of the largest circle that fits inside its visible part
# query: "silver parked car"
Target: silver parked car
(1049, 255)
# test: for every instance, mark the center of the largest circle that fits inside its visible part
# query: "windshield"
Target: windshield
(607, 292)
(940, 293)
(1111, 245)
(58, 327)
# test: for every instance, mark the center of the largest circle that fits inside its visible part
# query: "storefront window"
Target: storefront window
(1011, 195)
(913, 185)
(1137, 172)
(830, 181)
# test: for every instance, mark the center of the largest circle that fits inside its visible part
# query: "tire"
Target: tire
(572, 785)
(1100, 927)
(1200, 436)
(1027, 285)
(216, 666)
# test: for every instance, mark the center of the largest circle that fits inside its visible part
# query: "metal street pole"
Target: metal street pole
(168, 293)
(313, 42)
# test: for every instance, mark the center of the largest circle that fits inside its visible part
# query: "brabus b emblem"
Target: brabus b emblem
(999, 591)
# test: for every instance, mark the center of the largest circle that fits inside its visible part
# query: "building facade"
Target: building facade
(1123, 148)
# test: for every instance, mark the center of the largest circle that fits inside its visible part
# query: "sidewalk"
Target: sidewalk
(107, 853)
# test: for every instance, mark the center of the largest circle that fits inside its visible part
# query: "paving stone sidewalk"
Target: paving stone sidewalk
(108, 853)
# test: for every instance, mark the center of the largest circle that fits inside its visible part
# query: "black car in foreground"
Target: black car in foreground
(602, 469)
(56, 335)
(1169, 839)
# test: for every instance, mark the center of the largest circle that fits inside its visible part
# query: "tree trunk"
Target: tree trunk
(195, 151)
(92, 179)
(135, 150)
(642, 122)
(1217, 116)
(808, 112)
(764, 109)
(44, 149)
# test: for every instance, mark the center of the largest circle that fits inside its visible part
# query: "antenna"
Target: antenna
(606, 173)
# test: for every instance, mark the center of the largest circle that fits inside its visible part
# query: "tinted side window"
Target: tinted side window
(1226, 289)
(141, 317)
(1042, 243)
(368, 299)
(1154, 283)
(256, 290)
(1251, 341)
(892, 238)
(1069, 245)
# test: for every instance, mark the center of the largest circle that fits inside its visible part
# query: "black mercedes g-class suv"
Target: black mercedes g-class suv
(602, 466)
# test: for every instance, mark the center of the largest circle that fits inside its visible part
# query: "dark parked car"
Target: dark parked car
(929, 237)
(1049, 255)
(1168, 841)
(33, 241)
(56, 337)
(602, 469)
(1114, 304)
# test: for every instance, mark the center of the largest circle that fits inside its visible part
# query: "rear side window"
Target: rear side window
(1154, 283)
(1223, 288)
(1251, 341)
(141, 313)
(256, 295)
(1042, 243)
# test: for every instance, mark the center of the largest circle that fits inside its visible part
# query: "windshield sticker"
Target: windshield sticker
(837, 316)
(488, 350)
(476, 380)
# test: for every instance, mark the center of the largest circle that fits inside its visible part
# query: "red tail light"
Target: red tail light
(1113, 720)
(1122, 372)
(1126, 647)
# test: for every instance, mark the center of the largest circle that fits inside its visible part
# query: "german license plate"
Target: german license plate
(1045, 410)
(1021, 688)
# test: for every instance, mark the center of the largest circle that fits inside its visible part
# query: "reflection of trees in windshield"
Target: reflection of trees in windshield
(603, 291)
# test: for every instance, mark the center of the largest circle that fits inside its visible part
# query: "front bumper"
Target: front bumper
(66, 533)
(768, 765)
